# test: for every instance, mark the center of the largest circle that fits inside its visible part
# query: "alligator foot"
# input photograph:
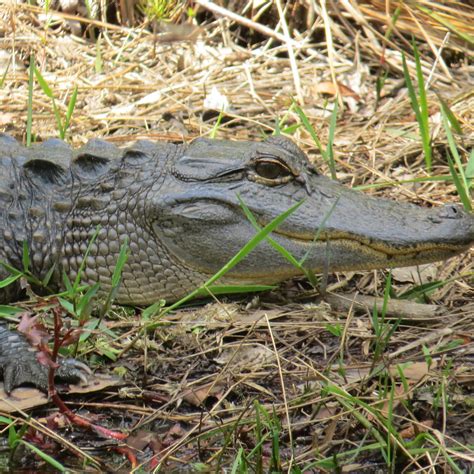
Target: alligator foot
(19, 364)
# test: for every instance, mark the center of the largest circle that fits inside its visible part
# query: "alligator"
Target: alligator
(178, 208)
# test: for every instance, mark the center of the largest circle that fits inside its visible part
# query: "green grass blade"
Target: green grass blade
(45, 457)
(98, 63)
(424, 289)
(9, 310)
(239, 464)
(249, 246)
(9, 280)
(462, 34)
(11, 269)
(121, 260)
(67, 284)
(43, 84)
(459, 177)
(462, 191)
(424, 112)
(424, 133)
(116, 277)
(25, 258)
(70, 108)
(48, 276)
(411, 89)
(84, 305)
(285, 253)
(330, 145)
(451, 117)
(275, 245)
(57, 116)
(470, 169)
(216, 126)
(307, 124)
(259, 438)
(88, 4)
(49, 93)
(29, 115)
(4, 77)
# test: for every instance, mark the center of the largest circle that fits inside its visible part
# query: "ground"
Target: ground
(300, 379)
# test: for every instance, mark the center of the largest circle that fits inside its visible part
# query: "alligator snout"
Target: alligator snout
(448, 211)
(452, 211)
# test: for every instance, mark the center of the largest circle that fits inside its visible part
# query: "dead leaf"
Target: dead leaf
(246, 356)
(141, 439)
(415, 428)
(25, 398)
(419, 274)
(414, 371)
(197, 395)
(399, 393)
(32, 330)
(328, 87)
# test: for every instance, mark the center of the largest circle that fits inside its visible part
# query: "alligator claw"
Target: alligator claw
(73, 371)
(19, 365)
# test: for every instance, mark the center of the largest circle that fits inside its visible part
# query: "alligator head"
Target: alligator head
(202, 223)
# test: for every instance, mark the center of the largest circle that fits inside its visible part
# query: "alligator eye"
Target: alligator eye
(271, 169)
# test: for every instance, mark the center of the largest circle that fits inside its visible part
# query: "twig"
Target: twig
(291, 54)
(245, 21)
(330, 49)
(283, 390)
(395, 308)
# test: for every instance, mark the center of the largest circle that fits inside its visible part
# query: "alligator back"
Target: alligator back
(53, 198)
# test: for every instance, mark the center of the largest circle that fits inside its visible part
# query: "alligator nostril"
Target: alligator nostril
(450, 211)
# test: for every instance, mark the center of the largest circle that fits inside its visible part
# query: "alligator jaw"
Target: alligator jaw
(377, 254)
(351, 230)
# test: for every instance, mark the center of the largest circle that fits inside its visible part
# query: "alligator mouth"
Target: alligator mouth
(344, 251)
(380, 247)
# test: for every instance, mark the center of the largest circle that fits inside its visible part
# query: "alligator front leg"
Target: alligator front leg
(19, 364)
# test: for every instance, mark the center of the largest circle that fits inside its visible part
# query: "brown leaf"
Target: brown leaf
(246, 356)
(24, 398)
(141, 439)
(197, 395)
(415, 371)
(328, 87)
(416, 428)
(33, 330)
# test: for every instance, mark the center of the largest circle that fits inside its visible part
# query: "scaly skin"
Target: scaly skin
(177, 208)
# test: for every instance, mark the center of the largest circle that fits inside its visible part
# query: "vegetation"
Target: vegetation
(278, 382)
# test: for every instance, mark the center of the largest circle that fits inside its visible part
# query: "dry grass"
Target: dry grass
(206, 367)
